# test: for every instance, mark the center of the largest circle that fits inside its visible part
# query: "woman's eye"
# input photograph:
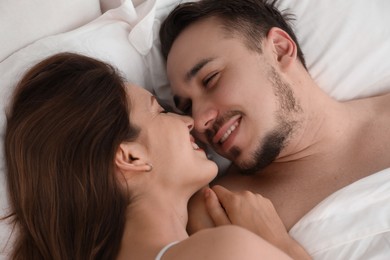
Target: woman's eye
(208, 80)
(164, 108)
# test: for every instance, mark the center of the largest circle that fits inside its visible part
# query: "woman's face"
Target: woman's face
(169, 144)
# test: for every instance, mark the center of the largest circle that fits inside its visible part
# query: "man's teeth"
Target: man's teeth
(228, 132)
(195, 146)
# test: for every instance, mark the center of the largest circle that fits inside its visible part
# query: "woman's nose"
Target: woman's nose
(190, 122)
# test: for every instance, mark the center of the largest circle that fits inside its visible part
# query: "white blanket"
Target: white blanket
(353, 223)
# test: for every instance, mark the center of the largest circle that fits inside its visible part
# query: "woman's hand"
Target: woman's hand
(198, 216)
(253, 212)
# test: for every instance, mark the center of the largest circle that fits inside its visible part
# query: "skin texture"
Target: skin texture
(221, 83)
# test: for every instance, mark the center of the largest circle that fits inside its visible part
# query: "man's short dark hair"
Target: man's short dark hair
(249, 18)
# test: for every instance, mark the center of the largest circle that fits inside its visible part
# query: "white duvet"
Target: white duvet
(353, 223)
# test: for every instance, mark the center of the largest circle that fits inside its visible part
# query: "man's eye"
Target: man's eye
(186, 108)
(206, 82)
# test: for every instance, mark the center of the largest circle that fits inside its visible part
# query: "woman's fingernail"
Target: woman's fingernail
(206, 192)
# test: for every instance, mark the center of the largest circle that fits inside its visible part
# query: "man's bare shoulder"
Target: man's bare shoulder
(382, 104)
(378, 102)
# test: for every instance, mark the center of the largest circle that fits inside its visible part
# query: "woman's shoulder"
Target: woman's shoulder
(224, 242)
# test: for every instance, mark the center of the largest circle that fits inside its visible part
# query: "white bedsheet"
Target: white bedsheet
(353, 223)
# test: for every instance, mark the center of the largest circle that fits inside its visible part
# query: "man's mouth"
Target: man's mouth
(226, 130)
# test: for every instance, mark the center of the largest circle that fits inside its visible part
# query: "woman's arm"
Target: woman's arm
(227, 242)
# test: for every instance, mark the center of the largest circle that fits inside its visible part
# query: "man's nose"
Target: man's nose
(204, 117)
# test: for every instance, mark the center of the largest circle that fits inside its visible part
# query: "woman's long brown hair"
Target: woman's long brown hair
(67, 118)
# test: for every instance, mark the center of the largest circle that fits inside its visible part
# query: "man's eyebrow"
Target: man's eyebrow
(196, 68)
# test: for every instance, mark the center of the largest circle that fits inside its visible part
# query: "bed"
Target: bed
(346, 44)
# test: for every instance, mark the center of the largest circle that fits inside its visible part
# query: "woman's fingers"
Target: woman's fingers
(230, 201)
(253, 212)
(215, 209)
(198, 216)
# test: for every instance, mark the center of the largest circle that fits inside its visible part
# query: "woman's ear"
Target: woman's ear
(132, 157)
(284, 48)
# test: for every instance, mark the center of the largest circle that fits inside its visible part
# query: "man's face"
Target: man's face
(239, 102)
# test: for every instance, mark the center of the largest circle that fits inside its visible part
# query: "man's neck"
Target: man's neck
(322, 124)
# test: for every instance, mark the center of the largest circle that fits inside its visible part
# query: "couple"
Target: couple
(97, 169)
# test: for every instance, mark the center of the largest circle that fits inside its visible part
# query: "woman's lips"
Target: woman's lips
(195, 146)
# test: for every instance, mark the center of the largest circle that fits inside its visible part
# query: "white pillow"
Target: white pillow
(106, 5)
(24, 21)
(346, 44)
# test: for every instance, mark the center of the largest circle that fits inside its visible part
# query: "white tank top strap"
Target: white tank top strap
(165, 248)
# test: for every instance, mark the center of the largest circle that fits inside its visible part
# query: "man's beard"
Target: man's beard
(273, 143)
(267, 150)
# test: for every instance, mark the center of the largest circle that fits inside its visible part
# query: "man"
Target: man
(237, 69)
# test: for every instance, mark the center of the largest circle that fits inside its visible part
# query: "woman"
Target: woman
(98, 170)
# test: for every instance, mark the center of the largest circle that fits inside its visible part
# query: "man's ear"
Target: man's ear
(284, 48)
(132, 157)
